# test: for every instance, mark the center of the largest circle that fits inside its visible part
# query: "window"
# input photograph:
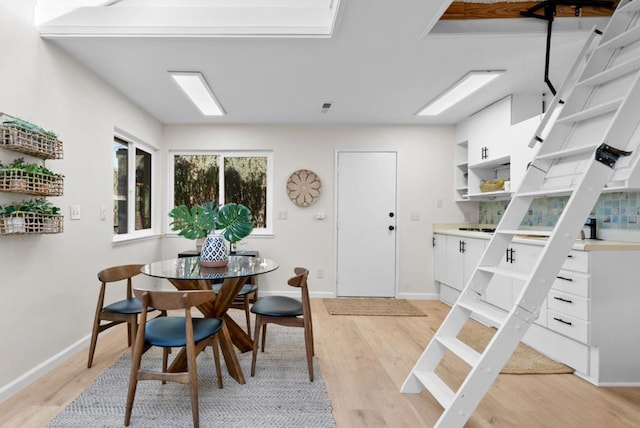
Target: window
(132, 190)
(244, 178)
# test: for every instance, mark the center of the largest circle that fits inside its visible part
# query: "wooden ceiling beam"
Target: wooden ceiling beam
(464, 10)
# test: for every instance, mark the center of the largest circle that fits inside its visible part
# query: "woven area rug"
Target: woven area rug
(280, 395)
(372, 307)
(524, 360)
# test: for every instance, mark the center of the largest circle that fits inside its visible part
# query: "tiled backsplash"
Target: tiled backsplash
(619, 210)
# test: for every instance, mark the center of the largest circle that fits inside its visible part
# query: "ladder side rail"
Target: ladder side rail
(618, 22)
(597, 62)
(482, 376)
(565, 88)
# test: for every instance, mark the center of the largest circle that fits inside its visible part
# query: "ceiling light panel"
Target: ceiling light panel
(195, 86)
(470, 83)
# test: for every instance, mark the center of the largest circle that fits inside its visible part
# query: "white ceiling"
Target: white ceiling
(377, 61)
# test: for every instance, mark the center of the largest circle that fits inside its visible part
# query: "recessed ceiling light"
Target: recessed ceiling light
(195, 86)
(470, 83)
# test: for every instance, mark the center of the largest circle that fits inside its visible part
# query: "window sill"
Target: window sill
(126, 239)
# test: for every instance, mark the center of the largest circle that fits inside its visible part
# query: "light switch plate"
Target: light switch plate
(74, 212)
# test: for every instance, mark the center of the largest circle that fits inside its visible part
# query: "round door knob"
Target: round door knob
(392, 228)
(391, 215)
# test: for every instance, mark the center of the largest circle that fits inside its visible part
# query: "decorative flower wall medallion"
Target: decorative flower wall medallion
(303, 187)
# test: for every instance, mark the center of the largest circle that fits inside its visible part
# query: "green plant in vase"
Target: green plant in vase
(231, 221)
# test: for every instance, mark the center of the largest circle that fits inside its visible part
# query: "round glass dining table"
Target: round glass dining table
(187, 273)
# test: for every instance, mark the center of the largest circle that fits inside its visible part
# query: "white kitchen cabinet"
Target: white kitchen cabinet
(456, 258)
(497, 148)
(462, 256)
(439, 257)
(487, 131)
(593, 317)
(502, 291)
(520, 134)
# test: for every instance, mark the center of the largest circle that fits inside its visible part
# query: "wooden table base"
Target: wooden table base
(230, 333)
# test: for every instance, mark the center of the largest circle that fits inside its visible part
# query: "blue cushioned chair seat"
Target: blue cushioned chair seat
(127, 306)
(170, 331)
(277, 306)
(246, 289)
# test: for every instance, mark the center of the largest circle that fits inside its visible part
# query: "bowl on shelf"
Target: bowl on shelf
(491, 185)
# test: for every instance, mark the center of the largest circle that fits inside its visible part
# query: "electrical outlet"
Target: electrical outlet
(283, 215)
(320, 273)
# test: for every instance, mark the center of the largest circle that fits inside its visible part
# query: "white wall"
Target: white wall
(425, 160)
(48, 283)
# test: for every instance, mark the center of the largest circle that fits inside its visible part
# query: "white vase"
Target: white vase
(214, 251)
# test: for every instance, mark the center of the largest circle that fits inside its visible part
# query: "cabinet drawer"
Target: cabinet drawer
(572, 282)
(569, 326)
(558, 347)
(577, 261)
(569, 304)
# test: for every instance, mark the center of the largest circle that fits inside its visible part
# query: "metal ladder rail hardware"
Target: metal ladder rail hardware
(584, 187)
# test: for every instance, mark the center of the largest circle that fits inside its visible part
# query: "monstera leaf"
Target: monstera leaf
(193, 223)
(235, 221)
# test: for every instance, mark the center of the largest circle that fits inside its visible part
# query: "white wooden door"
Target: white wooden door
(366, 220)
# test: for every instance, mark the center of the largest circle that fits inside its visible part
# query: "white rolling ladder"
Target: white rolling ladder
(591, 140)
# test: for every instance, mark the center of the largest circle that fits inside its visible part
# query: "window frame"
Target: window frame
(133, 145)
(222, 154)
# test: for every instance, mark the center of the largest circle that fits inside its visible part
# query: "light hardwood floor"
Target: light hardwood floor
(363, 361)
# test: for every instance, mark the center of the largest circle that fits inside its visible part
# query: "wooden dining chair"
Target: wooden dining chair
(126, 310)
(193, 334)
(285, 311)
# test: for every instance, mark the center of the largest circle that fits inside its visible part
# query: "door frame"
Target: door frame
(335, 216)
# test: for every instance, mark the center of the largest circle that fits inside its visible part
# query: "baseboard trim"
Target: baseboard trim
(41, 369)
(419, 296)
(608, 384)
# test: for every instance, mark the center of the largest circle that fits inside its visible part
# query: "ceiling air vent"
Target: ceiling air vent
(325, 107)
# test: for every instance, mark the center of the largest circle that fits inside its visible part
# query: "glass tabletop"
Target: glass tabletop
(190, 268)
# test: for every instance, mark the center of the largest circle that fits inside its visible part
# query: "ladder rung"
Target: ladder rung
(631, 7)
(539, 233)
(568, 152)
(561, 191)
(592, 112)
(611, 73)
(496, 270)
(485, 310)
(623, 39)
(436, 387)
(461, 349)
